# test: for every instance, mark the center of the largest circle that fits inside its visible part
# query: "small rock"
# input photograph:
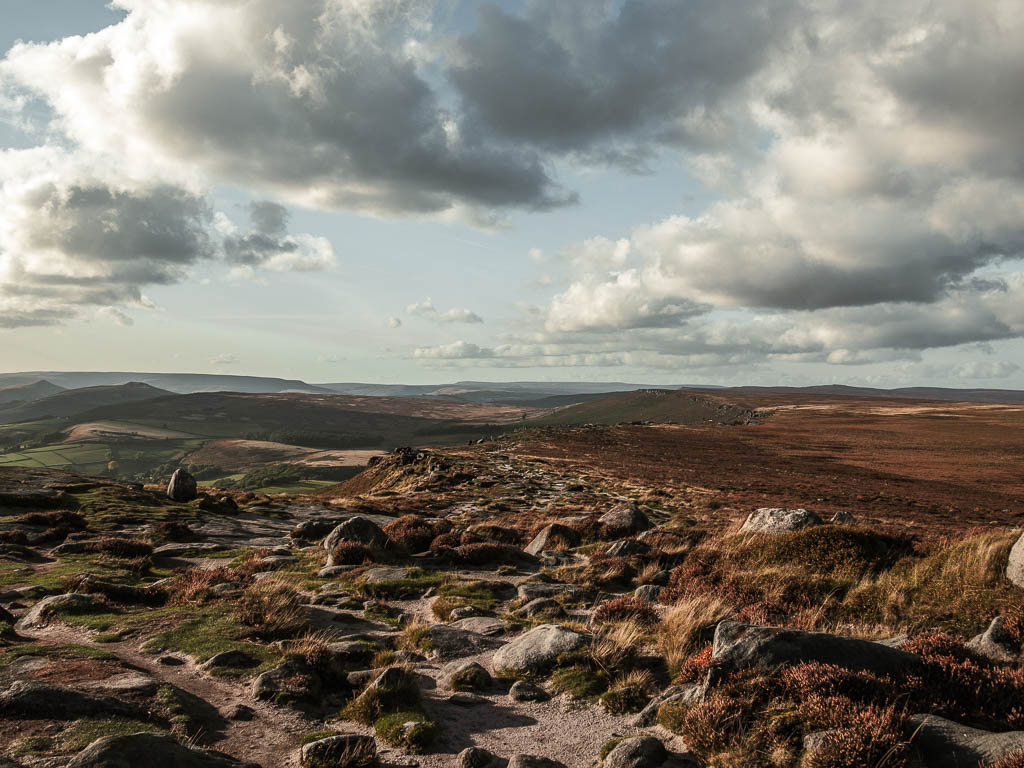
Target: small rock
(524, 690)
(648, 593)
(229, 659)
(450, 643)
(627, 548)
(533, 761)
(1015, 565)
(182, 487)
(350, 750)
(335, 570)
(637, 752)
(468, 676)
(542, 605)
(842, 518)
(531, 590)
(481, 625)
(170, 661)
(464, 612)
(462, 699)
(380, 575)
(473, 757)
(772, 520)
(240, 712)
(291, 681)
(687, 694)
(548, 537)
(996, 643)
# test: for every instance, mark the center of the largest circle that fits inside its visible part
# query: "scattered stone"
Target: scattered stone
(773, 520)
(347, 654)
(178, 549)
(842, 518)
(468, 676)
(170, 661)
(240, 712)
(637, 752)
(379, 575)
(291, 681)
(40, 614)
(648, 593)
(335, 570)
(996, 643)
(229, 659)
(150, 749)
(451, 643)
(686, 694)
(464, 612)
(473, 757)
(462, 699)
(945, 744)
(347, 750)
(358, 529)
(533, 761)
(546, 538)
(129, 683)
(625, 519)
(182, 487)
(43, 701)
(524, 690)
(539, 606)
(274, 562)
(531, 590)
(481, 625)
(627, 548)
(537, 649)
(742, 646)
(1015, 566)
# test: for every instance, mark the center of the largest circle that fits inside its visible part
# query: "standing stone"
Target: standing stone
(182, 486)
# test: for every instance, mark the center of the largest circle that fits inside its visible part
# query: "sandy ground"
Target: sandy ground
(100, 429)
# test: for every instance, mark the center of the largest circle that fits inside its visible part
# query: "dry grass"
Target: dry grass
(616, 644)
(686, 626)
(273, 609)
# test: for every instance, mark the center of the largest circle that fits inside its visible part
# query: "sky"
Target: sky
(652, 191)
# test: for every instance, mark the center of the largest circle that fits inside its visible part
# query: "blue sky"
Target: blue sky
(385, 190)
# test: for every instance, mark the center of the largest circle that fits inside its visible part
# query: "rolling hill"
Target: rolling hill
(73, 402)
(653, 405)
(180, 383)
(23, 393)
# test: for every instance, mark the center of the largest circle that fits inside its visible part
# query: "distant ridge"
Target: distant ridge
(177, 383)
(72, 402)
(25, 392)
(909, 393)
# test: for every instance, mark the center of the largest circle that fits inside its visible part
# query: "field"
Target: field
(93, 457)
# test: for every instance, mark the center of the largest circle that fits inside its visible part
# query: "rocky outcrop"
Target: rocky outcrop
(742, 646)
(625, 520)
(943, 743)
(151, 750)
(358, 529)
(446, 642)
(772, 520)
(549, 537)
(537, 649)
(182, 487)
(686, 694)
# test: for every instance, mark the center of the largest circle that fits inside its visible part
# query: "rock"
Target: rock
(996, 643)
(742, 646)
(348, 654)
(464, 612)
(6, 616)
(625, 519)
(537, 649)
(533, 761)
(335, 570)
(291, 681)
(182, 486)
(380, 575)
(358, 529)
(531, 590)
(180, 548)
(842, 518)
(40, 614)
(546, 539)
(648, 593)
(240, 712)
(128, 683)
(450, 643)
(542, 605)
(524, 690)
(462, 699)
(312, 530)
(687, 694)
(170, 661)
(637, 752)
(151, 750)
(943, 743)
(772, 520)
(473, 757)
(1015, 566)
(346, 750)
(274, 562)
(481, 625)
(229, 659)
(626, 548)
(468, 676)
(43, 701)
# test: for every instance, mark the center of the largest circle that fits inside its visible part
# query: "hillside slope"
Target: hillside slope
(73, 402)
(23, 393)
(651, 405)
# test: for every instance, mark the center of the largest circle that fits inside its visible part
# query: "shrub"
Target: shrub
(687, 626)
(272, 609)
(629, 693)
(377, 701)
(411, 731)
(351, 553)
(412, 533)
(498, 533)
(626, 609)
(487, 553)
(444, 542)
(62, 519)
(117, 546)
(470, 679)
(174, 530)
(696, 667)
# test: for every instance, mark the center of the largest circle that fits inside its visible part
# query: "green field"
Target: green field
(93, 458)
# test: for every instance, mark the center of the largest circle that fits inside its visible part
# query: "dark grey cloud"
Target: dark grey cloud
(268, 245)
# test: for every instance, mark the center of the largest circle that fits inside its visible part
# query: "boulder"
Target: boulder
(533, 761)
(464, 612)
(943, 743)
(524, 690)
(842, 518)
(481, 625)
(468, 676)
(351, 750)
(473, 757)
(40, 614)
(625, 520)
(996, 643)
(448, 642)
(43, 701)
(359, 529)
(548, 537)
(627, 548)
(182, 486)
(648, 592)
(344, 655)
(636, 752)
(178, 549)
(1015, 566)
(291, 681)
(150, 749)
(232, 658)
(531, 590)
(537, 649)
(773, 520)
(742, 646)
(313, 530)
(686, 694)
(382, 575)
(541, 605)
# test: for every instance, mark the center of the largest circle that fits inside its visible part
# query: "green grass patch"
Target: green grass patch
(69, 651)
(580, 682)
(82, 733)
(483, 595)
(412, 731)
(211, 630)
(418, 582)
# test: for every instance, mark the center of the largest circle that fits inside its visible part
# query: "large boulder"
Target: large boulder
(182, 487)
(742, 646)
(49, 608)
(358, 529)
(351, 750)
(549, 537)
(943, 743)
(996, 642)
(447, 642)
(291, 681)
(773, 520)
(537, 649)
(636, 752)
(1015, 566)
(625, 520)
(43, 701)
(151, 750)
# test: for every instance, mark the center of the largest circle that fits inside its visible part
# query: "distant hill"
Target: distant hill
(73, 402)
(911, 393)
(181, 383)
(509, 393)
(22, 393)
(654, 405)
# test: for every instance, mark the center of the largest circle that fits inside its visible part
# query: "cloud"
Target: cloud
(267, 244)
(321, 102)
(394, 322)
(986, 369)
(225, 358)
(116, 315)
(426, 309)
(458, 350)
